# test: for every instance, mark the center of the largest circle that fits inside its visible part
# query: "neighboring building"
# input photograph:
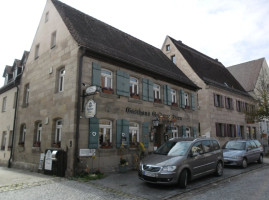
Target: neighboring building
(254, 77)
(222, 101)
(8, 97)
(140, 94)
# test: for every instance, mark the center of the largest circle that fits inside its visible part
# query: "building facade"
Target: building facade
(79, 65)
(254, 77)
(222, 101)
(8, 97)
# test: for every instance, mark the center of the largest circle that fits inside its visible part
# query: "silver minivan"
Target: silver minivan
(180, 160)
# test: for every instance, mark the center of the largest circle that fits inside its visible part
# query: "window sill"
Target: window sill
(108, 90)
(135, 96)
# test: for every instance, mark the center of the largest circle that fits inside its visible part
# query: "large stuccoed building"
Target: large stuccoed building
(137, 94)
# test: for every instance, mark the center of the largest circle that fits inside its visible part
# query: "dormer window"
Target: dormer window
(6, 79)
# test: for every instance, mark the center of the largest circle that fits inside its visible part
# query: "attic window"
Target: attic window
(53, 40)
(47, 17)
(173, 58)
(168, 47)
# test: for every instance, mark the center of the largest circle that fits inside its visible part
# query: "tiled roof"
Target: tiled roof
(247, 73)
(108, 41)
(211, 71)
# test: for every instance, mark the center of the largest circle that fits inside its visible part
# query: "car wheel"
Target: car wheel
(244, 163)
(260, 159)
(183, 179)
(219, 169)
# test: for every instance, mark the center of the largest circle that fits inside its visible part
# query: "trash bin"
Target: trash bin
(56, 161)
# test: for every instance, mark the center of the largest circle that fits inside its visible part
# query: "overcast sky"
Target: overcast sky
(234, 31)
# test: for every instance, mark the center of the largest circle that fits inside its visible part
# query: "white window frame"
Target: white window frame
(134, 129)
(61, 80)
(4, 104)
(39, 132)
(175, 132)
(186, 99)
(174, 96)
(188, 132)
(105, 127)
(134, 82)
(167, 47)
(108, 77)
(157, 91)
(58, 130)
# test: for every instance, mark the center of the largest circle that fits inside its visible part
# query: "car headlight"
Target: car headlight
(169, 168)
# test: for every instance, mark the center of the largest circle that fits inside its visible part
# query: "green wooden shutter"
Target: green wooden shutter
(93, 133)
(150, 90)
(181, 96)
(194, 132)
(123, 82)
(165, 101)
(193, 102)
(96, 74)
(183, 131)
(118, 133)
(145, 134)
(145, 91)
(125, 130)
(169, 95)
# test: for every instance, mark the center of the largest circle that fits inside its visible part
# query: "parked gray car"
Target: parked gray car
(182, 159)
(242, 152)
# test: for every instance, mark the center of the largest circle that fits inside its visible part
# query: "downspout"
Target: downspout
(76, 158)
(14, 126)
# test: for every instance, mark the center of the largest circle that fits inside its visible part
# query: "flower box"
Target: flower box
(21, 144)
(37, 144)
(56, 145)
(175, 104)
(135, 96)
(107, 90)
(157, 101)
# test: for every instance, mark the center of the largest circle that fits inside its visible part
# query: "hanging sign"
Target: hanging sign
(90, 109)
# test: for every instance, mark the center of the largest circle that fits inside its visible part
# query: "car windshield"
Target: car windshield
(174, 148)
(235, 145)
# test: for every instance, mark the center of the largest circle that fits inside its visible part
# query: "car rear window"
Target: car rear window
(215, 145)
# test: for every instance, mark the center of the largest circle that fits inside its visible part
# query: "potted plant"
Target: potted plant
(21, 144)
(107, 90)
(37, 144)
(134, 95)
(56, 144)
(123, 166)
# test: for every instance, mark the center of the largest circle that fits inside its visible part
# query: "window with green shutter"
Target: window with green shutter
(182, 98)
(167, 96)
(145, 134)
(123, 82)
(96, 74)
(147, 90)
(122, 132)
(93, 133)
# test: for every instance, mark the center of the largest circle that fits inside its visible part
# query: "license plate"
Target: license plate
(150, 174)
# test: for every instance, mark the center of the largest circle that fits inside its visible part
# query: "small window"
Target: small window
(61, 80)
(133, 134)
(175, 132)
(4, 140)
(168, 47)
(4, 104)
(26, 94)
(37, 51)
(105, 134)
(156, 92)
(173, 58)
(186, 99)
(106, 79)
(58, 133)
(229, 103)
(218, 102)
(22, 135)
(53, 40)
(220, 130)
(47, 17)
(134, 87)
(38, 135)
